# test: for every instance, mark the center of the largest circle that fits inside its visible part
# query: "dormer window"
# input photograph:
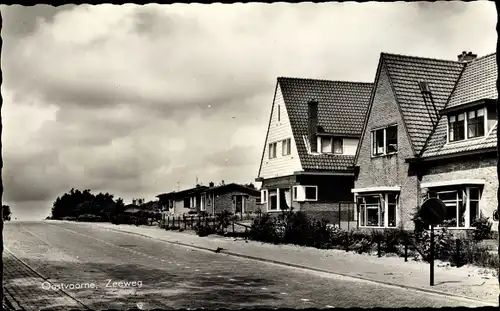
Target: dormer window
(466, 124)
(329, 144)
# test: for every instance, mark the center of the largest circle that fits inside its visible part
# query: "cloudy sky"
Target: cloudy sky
(136, 100)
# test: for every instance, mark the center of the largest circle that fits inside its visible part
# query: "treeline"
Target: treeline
(84, 205)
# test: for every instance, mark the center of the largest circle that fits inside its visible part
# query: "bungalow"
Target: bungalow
(182, 202)
(430, 132)
(308, 158)
(235, 198)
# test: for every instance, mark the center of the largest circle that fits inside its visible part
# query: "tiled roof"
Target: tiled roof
(232, 187)
(405, 73)
(437, 145)
(342, 107)
(478, 81)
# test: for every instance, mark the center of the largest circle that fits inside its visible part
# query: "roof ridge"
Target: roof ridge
(482, 57)
(421, 58)
(324, 80)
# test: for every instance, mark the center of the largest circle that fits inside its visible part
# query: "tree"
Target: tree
(6, 212)
(250, 185)
(211, 184)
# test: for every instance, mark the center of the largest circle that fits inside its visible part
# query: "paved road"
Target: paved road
(176, 277)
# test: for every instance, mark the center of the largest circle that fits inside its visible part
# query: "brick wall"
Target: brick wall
(478, 167)
(388, 170)
(225, 202)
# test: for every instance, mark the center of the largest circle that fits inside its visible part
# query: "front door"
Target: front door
(239, 204)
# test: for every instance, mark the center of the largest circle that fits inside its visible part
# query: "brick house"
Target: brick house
(430, 132)
(182, 202)
(313, 133)
(235, 198)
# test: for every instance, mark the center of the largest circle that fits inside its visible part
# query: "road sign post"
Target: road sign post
(431, 259)
(432, 213)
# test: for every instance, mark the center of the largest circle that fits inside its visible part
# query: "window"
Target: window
(272, 150)
(475, 123)
(378, 210)
(330, 145)
(311, 193)
(279, 113)
(392, 203)
(187, 202)
(273, 200)
(371, 211)
(474, 197)
(465, 125)
(378, 142)
(295, 195)
(263, 196)
(338, 146)
(326, 144)
(385, 141)
(462, 205)
(424, 87)
(285, 147)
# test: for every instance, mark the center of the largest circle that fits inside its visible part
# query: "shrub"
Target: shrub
(204, 229)
(473, 252)
(264, 229)
(223, 220)
(360, 242)
(482, 229)
(297, 228)
(337, 236)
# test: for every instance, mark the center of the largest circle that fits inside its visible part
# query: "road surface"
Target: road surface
(156, 274)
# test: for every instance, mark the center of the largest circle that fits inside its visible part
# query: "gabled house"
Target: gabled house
(430, 131)
(182, 202)
(235, 198)
(313, 133)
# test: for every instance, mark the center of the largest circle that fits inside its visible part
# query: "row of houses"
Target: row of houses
(424, 128)
(235, 198)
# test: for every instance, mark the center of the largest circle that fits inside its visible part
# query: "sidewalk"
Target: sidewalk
(23, 289)
(469, 282)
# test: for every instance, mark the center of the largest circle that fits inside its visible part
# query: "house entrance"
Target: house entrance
(239, 204)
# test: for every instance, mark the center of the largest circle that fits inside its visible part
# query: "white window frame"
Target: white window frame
(286, 148)
(384, 201)
(384, 137)
(466, 200)
(466, 125)
(264, 196)
(278, 209)
(305, 197)
(332, 140)
(274, 153)
(295, 196)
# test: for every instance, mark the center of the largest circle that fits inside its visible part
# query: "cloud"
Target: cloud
(135, 99)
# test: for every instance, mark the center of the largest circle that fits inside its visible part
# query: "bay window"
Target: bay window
(385, 141)
(462, 205)
(378, 210)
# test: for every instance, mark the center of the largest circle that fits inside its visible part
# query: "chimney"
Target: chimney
(313, 124)
(466, 57)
